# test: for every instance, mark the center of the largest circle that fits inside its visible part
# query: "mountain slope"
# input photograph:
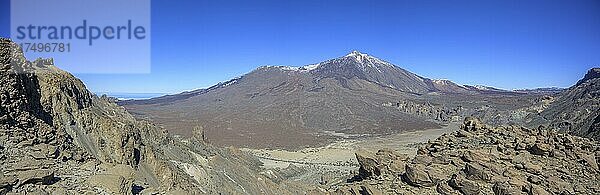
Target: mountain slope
(293, 107)
(362, 66)
(289, 107)
(577, 109)
(56, 136)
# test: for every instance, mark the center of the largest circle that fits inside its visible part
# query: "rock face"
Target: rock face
(492, 160)
(593, 73)
(416, 176)
(576, 110)
(56, 136)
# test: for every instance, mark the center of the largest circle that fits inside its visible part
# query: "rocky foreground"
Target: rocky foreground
(479, 159)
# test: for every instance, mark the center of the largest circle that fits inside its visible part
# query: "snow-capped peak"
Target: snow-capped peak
(364, 60)
(357, 53)
(360, 57)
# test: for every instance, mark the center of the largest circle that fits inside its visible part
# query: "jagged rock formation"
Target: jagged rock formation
(428, 110)
(577, 109)
(56, 136)
(593, 73)
(479, 159)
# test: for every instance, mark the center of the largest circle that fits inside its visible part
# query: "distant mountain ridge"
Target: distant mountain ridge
(360, 65)
(284, 106)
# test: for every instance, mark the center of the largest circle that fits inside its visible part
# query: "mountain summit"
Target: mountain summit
(593, 73)
(287, 107)
(361, 57)
(357, 65)
(356, 53)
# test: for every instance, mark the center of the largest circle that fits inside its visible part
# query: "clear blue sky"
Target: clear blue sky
(508, 44)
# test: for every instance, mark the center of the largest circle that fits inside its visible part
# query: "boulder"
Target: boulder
(8, 181)
(43, 176)
(436, 175)
(590, 159)
(370, 190)
(475, 171)
(475, 156)
(397, 167)
(463, 133)
(470, 187)
(114, 184)
(532, 168)
(456, 181)
(537, 190)
(465, 186)
(423, 159)
(444, 189)
(369, 164)
(558, 186)
(541, 149)
(416, 176)
(534, 179)
(472, 124)
(442, 160)
(37, 155)
(505, 188)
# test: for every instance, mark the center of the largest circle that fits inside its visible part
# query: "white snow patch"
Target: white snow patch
(311, 67)
(290, 68)
(483, 88)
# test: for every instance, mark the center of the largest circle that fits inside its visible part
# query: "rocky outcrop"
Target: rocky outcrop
(56, 136)
(593, 73)
(428, 110)
(52, 128)
(576, 110)
(490, 160)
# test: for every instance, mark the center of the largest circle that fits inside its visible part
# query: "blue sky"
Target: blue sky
(508, 44)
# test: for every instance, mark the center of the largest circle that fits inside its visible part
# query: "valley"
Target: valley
(356, 125)
(340, 154)
(284, 107)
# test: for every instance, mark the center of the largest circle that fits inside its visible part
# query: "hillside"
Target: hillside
(293, 107)
(58, 137)
(577, 109)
